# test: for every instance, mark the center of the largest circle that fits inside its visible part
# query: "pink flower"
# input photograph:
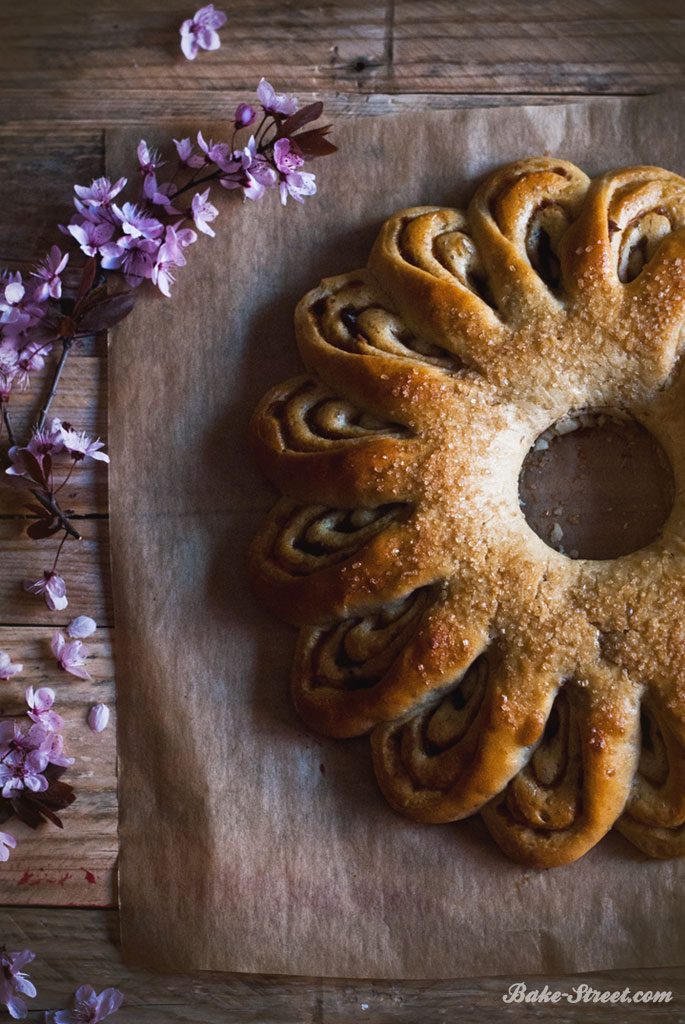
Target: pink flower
(81, 627)
(9, 367)
(248, 170)
(170, 256)
(21, 770)
(199, 33)
(187, 155)
(100, 192)
(136, 224)
(11, 303)
(7, 843)
(274, 102)
(13, 981)
(80, 446)
(293, 181)
(48, 271)
(183, 236)
(52, 587)
(98, 717)
(235, 170)
(286, 158)
(260, 174)
(91, 235)
(217, 152)
(7, 667)
(71, 655)
(159, 195)
(203, 212)
(135, 257)
(89, 1008)
(47, 441)
(41, 742)
(53, 747)
(31, 358)
(40, 708)
(245, 115)
(149, 159)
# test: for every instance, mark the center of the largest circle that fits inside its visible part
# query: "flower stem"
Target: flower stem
(49, 503)
(66, 346)
(8, 424)
(59, 552)
(194, 183)
(66, 479)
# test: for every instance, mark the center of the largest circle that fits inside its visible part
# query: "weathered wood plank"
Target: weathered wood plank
(74, 865)
(84, 565)
(590, 46)
(76, 946)
(505, 47)
(37, 173)
(305, 43)
(49, 113)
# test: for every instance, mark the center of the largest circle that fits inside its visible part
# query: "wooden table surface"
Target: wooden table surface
(69, 71)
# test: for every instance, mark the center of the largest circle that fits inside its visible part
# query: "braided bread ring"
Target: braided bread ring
(493, 673)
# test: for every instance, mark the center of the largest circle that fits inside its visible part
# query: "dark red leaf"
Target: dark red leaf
(47, 812)
(67, 327)
(42, 529)
(91, 299)
(33, 467)
(313, 143)
(58, 795)
(32, 808)
(27, 812)
(87, 278)
(106, 313)
(38, 510)
(300, 118)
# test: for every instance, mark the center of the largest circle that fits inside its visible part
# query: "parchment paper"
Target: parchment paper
(247, 843)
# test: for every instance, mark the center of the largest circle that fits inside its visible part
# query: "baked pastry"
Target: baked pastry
(493, 672)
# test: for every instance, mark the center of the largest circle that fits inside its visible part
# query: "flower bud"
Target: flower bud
(245, 115)
(98, 717)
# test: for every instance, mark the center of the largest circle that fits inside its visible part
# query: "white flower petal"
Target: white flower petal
(81, 627)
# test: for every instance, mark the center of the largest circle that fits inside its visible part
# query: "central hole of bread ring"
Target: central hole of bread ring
(596, 485)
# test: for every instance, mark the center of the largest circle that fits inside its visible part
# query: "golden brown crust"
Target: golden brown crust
(493, 672)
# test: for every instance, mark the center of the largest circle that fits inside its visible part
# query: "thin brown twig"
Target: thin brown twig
(66, 347)
(193, 183)
(8, 424)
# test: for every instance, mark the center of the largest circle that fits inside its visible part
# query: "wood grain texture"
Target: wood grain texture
(584, 47)
(493, 46)
(74, 946)
(71, 71)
